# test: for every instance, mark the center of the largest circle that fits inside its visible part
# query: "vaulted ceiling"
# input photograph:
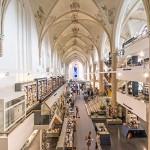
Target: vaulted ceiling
(76, 27)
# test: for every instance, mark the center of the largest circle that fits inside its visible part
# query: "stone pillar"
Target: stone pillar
(90, 69)
(148, 112)
(85, 72)
(40, 139)
(101, 84)
(94, 76)
(67, 72)
(114, 82)
(147, 9)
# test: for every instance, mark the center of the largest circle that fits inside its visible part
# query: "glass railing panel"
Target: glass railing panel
(40, 119)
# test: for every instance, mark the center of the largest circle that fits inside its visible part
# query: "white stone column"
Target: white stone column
(85, 72)
(114, 82)
(101, 79)
(90, 77)
(94, 76)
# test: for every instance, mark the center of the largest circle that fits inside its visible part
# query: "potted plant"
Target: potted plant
(107, 101)
(102, 107)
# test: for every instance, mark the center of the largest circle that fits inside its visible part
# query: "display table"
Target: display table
(101, 112)
(66, 139)
(60, 145)
(136, 132)
(53, 133)
(114, 121)
(104, 134)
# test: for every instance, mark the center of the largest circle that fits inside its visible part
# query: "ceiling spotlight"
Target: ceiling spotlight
(146, 75)
(119, 74)
(141, 54)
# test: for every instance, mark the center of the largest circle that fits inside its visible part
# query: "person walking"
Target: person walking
(88, 140)
(74, 123)
(97, 140)
(77, 112)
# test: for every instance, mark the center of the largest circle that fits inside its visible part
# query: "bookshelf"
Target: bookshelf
(30, 89)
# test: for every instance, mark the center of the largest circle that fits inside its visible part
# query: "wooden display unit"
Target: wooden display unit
(30, 89)
(66, 139)
(114, 121)
(49, 86)
(41, 88)
(104, 134)
(54, 83)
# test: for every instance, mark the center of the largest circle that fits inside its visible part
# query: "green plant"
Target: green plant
(107, 101)
(102, 107)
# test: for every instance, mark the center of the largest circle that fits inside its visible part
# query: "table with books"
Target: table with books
(104, 134)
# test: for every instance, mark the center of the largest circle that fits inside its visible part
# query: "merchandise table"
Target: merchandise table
(60, 145)
(66, 139)
(114, 121)
(104, 134)
(136, 132)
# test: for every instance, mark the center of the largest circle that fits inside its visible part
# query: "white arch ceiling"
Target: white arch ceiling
(75, 22)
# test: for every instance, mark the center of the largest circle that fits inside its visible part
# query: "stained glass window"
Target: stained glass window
(75, 72)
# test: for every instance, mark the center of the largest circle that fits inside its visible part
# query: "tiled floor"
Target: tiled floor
(84, 125)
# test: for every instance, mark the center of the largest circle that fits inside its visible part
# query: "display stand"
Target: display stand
(104, 134)
(49, 86)
(66, 139)
(136, 132)
(60, 145)
(30, 89)
(53, 133)
(41, 88)
(114, 121)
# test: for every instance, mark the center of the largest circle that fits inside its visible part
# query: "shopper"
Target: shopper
(77, 112)
(92, 94)
(74, 123)
(97, 140)
(88, 140)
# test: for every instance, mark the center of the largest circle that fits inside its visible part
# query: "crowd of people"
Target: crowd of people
(89, 139)
(77, 90)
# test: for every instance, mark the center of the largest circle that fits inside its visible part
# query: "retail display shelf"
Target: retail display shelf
(135, 132)
(114, 121)
(104, 134)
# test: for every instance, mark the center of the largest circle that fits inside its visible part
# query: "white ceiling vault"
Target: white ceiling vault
(76, 27)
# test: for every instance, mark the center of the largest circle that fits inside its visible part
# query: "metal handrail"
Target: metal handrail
(139, 37)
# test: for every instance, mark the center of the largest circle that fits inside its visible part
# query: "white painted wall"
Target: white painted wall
(20, 135)
(136, 74)
(17, 138)
(21, 48)
(137, 46)
(138, 107)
